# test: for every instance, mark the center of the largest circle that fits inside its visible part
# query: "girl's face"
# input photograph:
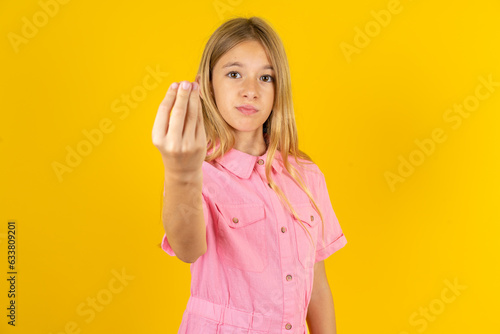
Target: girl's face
(243, 76)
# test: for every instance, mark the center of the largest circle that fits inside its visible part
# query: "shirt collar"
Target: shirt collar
(242, 164)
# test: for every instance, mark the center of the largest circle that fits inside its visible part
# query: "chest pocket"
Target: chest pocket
(306, 250)
(241, 237)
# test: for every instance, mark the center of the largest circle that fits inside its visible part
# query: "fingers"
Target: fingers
(192, 113)
(176, 124)
(200, 125)
(160, 126)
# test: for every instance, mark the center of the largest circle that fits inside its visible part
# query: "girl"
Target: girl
(242, 203)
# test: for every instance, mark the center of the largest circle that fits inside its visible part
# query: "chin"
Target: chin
(245, 128)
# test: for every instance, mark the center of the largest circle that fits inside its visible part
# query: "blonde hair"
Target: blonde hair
(281, 133)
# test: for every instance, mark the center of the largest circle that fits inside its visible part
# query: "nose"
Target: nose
(250, 88)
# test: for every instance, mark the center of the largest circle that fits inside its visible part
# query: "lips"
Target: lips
(247, 109)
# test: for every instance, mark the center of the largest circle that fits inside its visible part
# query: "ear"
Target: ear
(210, 87)
(197, 80)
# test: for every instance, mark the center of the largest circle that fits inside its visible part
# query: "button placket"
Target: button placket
(262, 173)
(284, 243)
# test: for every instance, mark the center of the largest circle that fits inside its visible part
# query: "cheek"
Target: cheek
(220, 93)
(222, 102)
(270, 94)
(270, 100)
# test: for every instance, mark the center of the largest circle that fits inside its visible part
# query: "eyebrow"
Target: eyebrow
(265, 67)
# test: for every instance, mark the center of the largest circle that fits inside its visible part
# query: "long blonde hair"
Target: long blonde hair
(281, 132)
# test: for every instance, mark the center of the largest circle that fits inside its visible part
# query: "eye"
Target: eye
(232, 72)
(271, 79)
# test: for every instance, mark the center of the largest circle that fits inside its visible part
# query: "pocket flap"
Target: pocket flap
(307, 214)
(241, 215)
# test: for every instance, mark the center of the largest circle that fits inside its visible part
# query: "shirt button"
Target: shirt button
(260, 161)
(288, 277)
(235, 220)
(312, 218)
(288, 326)
(283, 229)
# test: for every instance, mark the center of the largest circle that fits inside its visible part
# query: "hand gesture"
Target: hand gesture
(179, 131)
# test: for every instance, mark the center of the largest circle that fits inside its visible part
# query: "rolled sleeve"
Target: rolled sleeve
(334, 238)
(165, 245)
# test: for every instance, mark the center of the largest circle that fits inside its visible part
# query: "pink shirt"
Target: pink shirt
(257, 274)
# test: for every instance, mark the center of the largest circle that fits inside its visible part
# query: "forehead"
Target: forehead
(247, 54)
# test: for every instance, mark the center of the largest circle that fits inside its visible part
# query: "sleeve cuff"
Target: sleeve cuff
(166, 246)
(331, 248)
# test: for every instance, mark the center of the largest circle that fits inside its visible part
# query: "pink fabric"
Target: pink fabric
(255, 276)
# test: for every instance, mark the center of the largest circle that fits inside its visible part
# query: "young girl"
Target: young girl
(242, 203)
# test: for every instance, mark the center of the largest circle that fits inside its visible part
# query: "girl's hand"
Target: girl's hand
(180, 135)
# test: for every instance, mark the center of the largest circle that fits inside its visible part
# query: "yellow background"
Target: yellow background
(356, 115)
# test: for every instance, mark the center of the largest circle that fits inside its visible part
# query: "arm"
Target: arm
(183, 218)
(179, 135)
(321, 313)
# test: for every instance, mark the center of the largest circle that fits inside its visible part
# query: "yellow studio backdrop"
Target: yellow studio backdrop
(396, 101)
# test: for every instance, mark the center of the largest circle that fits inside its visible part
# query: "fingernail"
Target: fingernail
(195, 85)
(174, 85)
(185, 85)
